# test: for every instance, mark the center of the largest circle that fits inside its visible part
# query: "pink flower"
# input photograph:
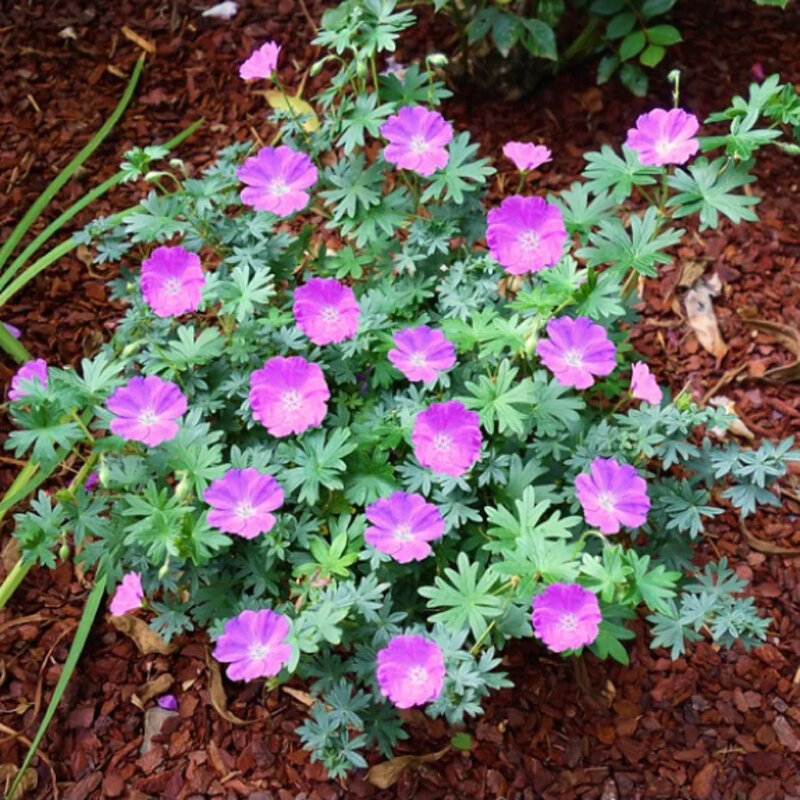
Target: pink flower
(261, 63)
(402, 526)
(92, 481)
(172, 281)
(566, 616)
(526, 234)
(417, 140)
(326, 310)
(168, 702)
(241, 502)
(664, 137)
(13, 330)
(644, 385)
(128, 596)
(527, 155)
(288, 395)
(32, 372)
(612, 495)
(422, 353)
(577, 350)
(145, 410)
(277, 179)
(410, 671)
(447, 438)
(254, 645)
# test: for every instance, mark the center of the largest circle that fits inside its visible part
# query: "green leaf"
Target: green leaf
(652, 8)
(652, 55)
(606, 7)
(664, 35)
(607, 67)
(633, 79)
(495, 399)
(607, 170)
(632, 44)
(506, 30)
(539, 39)
(463, 174)
(620, 25)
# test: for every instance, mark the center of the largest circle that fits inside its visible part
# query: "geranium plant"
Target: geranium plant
(364, 433)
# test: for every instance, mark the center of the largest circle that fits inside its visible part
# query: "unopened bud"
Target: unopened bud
(63, 552)
(437, 59)
(184, 485)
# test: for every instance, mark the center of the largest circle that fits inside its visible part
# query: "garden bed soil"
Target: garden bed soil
(714, 724)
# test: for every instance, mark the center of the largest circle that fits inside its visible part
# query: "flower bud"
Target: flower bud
(184, 485)
(63, 552)
(437, 59)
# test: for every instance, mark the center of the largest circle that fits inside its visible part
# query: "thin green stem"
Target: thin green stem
(295, 119)
(55, 185)
(13, 580)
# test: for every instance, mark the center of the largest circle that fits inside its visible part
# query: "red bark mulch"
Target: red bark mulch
(715, 724)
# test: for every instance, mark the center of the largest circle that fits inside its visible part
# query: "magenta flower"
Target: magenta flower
(261, 63)
(566, 616)
(447, 438)
(417, 140)
(168, 702)
(288, 395)
(577, 350)
(644, 385)
(32, 371)
(326, 310)
(128, 596)
(145, 410)
(254, 645)
(92, 481)
(410, 670)
(422, 353)
(612, 495)
(402, 526)
(241, 502)
(277, 179)
(664, 137)
(526, 234)
(527, 155)
(172, 281)
(13, 330)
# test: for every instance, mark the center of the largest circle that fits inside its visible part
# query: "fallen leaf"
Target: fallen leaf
(143, 636)
(219, 700)
(736, 426)
(139, 41)
(692, 270)
(154, 688)
(790, 338)
(763, 546)
(296, 105)
(224, 10)
(703, 321)
(154, 719)
(387, 773)
(304, 697)
(29, 782)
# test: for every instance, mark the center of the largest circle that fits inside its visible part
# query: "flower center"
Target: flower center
(245, 510)
(419, 144)
(529, 240)
(172, 286)
(403, 533)
(574, 358)
(418, 359)
(606, 501)
(418, 675)
(330, 315)
(663, 147)
(291, 400)
(278, 187)
(259, 650)
(568, 621)
(147, 417)
(442, 442)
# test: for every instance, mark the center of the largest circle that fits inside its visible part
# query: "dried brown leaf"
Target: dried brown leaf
(216, 693)
(703, 321)
(143, 636)
(29, 782)
(139, 41)
(387, 773)
(736, 426)
(763, 546)
(790, 338)
(692, 270)
(303, 697)
(154, 688)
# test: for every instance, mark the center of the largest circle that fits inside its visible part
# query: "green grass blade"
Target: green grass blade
(78, 206)
(78, 643)
(53, 187)
(13, 346)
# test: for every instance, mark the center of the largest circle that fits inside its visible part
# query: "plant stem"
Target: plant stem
(12, 581)
(53, 187)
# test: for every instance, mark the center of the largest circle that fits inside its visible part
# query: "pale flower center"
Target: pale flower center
(291, 400)
(329, 314)
(442, 442)
(663, 147)
(172, 286)
(245, 509)
(568, 621)
(606, 501)
(418, 675)
(147, 417)
(529, 240)
(419, 144)
(403, 533)
(259, 650)
(278, 187)
(418, 359)
(574, 358)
